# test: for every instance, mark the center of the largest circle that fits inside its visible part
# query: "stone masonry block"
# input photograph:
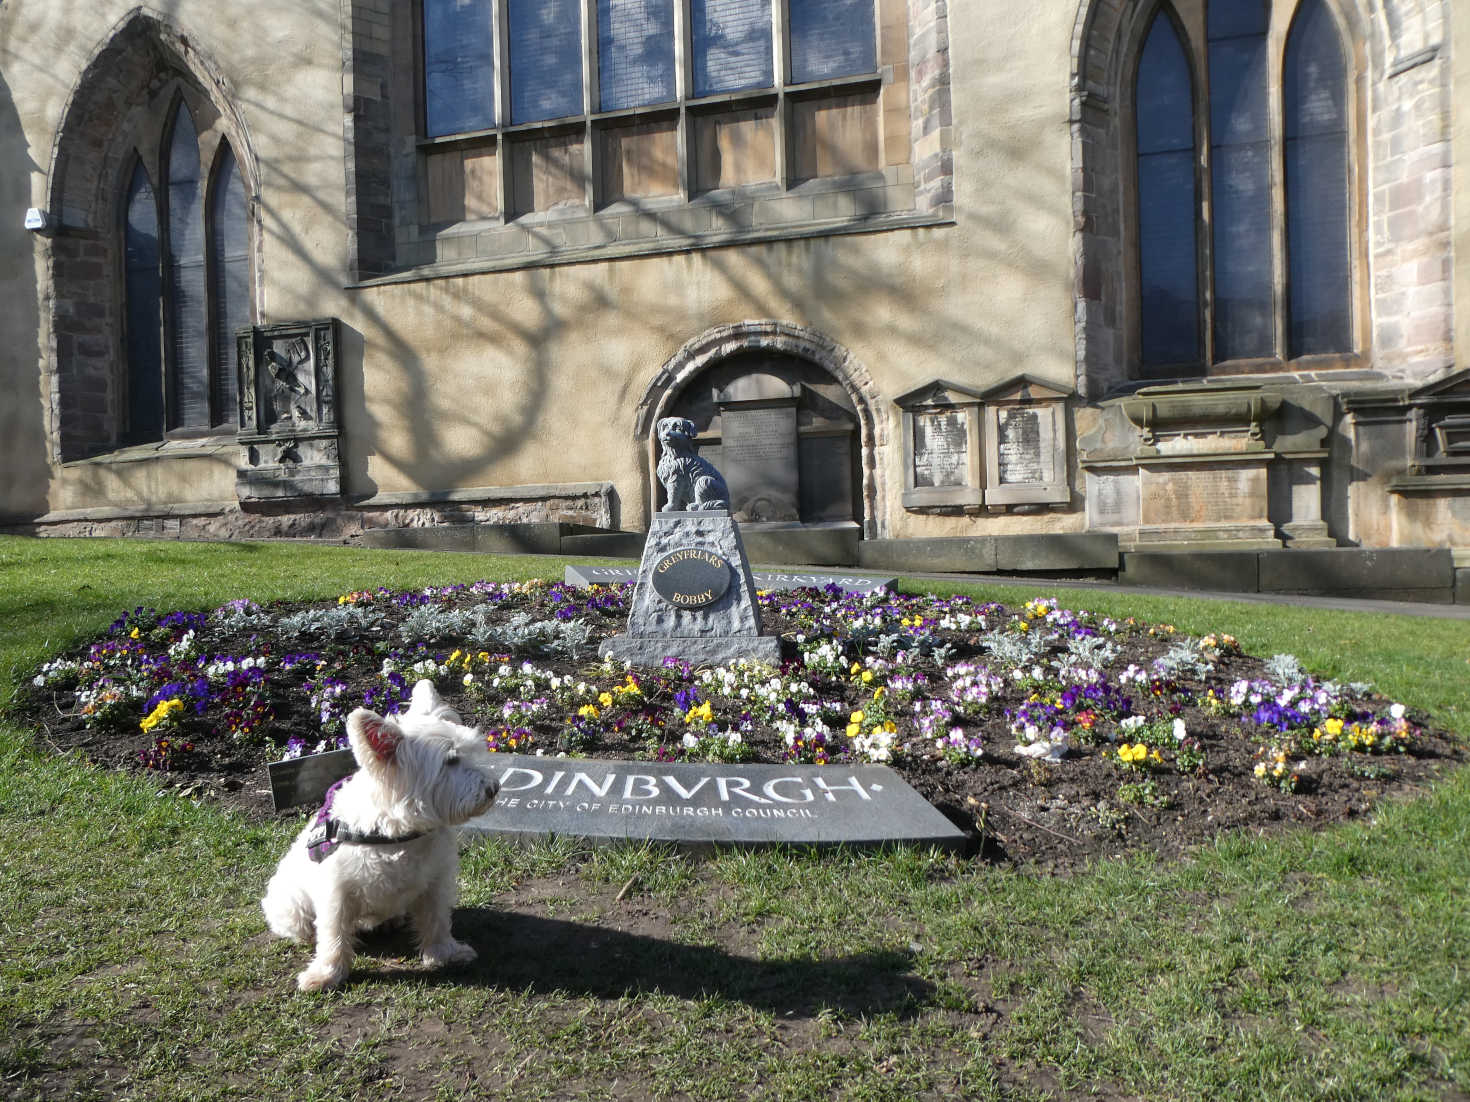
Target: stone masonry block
(959, 555)
(1354, 569)
(1060, 551)
(1222, 571)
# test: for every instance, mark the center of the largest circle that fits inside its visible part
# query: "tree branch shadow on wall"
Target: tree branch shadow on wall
(453, 429)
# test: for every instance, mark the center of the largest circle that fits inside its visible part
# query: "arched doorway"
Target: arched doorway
(785, 414)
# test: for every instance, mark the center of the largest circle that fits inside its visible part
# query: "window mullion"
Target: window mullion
(499, 34)
(590, 92)
(1205, 239)
(683, 81)
(780, 66)
(1275, 123)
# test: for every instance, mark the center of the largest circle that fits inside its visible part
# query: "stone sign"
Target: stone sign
(691, 577)
(941, 448)
(701, 805)
(849, 583)
(691, 805)
(305, 780)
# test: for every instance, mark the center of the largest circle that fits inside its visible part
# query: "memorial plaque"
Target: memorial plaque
(691, 577)
(702, 805)
(1022, 454)
(849, 583)
(758, 452)
(941, 449)
(1204, 495)
(1112, 499)
(826, 478)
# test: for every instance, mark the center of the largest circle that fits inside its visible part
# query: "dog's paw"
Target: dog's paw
(450, 952)
(320, 977)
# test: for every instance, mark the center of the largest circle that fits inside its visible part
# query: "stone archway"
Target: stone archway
(137, 62)
(774, 377)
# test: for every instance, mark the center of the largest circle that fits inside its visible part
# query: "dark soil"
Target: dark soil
(1018, 811)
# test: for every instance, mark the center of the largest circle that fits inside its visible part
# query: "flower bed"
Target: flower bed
(1056, 735)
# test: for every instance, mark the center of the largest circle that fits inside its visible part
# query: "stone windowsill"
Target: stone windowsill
(648, 232)
(197, 447)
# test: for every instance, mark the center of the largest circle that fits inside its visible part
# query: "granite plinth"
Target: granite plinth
(651, 650)
(726, 628)
(848, 583)
(700, 805)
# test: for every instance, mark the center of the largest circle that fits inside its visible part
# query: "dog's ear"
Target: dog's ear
(374, 738)
(426, 701)
(425, 698)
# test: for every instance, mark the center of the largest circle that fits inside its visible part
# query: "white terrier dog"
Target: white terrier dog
(384, 843)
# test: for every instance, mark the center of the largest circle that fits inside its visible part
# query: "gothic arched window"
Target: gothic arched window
(1243, 185)
(186, 286)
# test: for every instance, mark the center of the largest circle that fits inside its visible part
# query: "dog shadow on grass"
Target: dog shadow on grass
(520, 952)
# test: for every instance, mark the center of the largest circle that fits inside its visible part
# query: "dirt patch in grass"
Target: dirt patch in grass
(245, 683)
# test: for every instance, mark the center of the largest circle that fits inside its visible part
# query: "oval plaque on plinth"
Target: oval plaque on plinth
(691, 577)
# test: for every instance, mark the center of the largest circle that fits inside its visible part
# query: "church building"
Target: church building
(1067, 279)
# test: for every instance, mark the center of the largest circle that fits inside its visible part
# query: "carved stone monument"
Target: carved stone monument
(695, 598)
(288, 412)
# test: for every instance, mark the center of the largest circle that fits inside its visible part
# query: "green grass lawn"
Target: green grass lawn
(134, 962)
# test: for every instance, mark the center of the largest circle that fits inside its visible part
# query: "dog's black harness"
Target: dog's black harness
(327, 833)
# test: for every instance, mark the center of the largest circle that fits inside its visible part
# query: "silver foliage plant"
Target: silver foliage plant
(339, 622)
(521, 634)
(1183, 659)
(1285, 669)
(1013, 651)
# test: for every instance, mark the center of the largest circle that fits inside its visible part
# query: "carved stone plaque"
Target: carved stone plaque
(1204, 495)
(941, 449)
(758, 452)
(288, 411)
(1022, 452)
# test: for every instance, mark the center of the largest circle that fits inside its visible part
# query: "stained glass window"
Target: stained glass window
(732, 45)
(635, 53)
(187, 305)
(1167, 203)
(459, 77)
(1315, 100)
(143, 289)
(1240, 173)
(545, 59)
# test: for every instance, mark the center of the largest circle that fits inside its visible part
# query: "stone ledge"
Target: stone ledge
(1230, 571)
(1388, 574)
(135, 512)
(1057, 551)
(399, 499)
(1348, 569)
(660, 246)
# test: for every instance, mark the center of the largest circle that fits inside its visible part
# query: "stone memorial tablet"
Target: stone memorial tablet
(691, 577)
(758, 454)
(698, 805)
(941, 449)
(1022, 454)
(826, 477)
(848, 583)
